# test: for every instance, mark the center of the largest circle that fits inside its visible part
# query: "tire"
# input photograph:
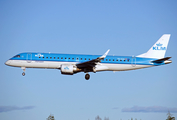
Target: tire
(87, 76)
(23, 73)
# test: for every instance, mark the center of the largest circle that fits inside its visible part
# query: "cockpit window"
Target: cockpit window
(17, 56)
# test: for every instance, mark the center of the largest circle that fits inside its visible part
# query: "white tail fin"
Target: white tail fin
(158, 49)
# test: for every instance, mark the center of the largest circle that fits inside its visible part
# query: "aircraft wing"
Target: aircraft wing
(93, 62)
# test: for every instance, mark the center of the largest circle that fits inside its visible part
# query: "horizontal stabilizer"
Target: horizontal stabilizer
(161, 60)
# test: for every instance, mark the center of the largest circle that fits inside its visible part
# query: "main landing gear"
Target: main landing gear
(24, 68)
(87, 76)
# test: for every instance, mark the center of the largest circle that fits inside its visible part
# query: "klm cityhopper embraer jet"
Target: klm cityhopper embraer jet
(70, 64)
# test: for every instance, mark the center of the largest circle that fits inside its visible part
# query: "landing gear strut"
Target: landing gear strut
(87, 76)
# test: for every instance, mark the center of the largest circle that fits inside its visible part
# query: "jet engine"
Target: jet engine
(69, 69)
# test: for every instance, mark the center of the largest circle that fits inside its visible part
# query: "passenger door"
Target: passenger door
(29, 57)
(133, 61)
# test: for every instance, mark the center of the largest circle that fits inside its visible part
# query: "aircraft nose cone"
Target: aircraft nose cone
(7, 62)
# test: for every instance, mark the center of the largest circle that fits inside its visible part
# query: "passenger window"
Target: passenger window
(117, 60)
(81, 58)
(120, 60)
(42, 57)
(73, 58)
(109, 59)
(50, 57)
(54, 57)
(124, 60)
(39, 57)
(58, 58)
(61, 57)
(69, 58)
(106, 59)
(47, 57)
(89, 58)
(85, 58)
(65, 58)
(113, 60)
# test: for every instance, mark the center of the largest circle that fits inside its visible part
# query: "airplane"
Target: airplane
(70, 64)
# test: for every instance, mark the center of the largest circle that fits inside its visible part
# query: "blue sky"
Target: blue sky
(87, 27)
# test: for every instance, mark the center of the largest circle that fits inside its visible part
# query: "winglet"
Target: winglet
(92, 62)
(103, 56)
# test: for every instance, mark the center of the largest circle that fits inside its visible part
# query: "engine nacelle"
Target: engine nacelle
(69, 69)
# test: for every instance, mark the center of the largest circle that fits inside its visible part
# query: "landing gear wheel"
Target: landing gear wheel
(23, 73)
(87, 76)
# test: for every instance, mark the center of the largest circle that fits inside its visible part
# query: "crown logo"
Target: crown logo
(159, 44)
(66, 68)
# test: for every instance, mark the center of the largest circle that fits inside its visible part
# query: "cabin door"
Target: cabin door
(133, 61)
(29, 57)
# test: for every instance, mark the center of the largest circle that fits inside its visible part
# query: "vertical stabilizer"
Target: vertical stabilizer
(158, 50)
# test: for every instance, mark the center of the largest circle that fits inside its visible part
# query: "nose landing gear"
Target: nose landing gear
(24, 68)
(87, 76)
